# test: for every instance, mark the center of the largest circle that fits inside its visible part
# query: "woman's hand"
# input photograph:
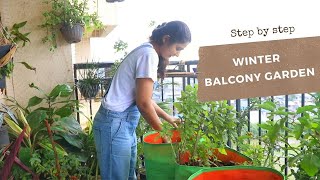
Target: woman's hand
(175, 122)
(165, 139)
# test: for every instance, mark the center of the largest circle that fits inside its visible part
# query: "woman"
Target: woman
(130, 94)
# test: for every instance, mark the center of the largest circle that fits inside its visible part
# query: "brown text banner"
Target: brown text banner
(259, 69)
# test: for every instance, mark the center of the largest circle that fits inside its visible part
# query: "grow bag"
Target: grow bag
(183, 172)
(238, 172)
(161, 163)
(159, 158)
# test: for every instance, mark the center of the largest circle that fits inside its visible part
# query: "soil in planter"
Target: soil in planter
(213, 164)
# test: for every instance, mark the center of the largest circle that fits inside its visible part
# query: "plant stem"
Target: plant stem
(54, 150)
(197, 139)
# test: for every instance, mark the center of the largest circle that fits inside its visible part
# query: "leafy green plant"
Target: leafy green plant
(7, 70)
(74, 146)
(207, 126)
(11, 158)
(65, 12)
(13, 34)
(43, 162)
(120, 48)
(298, 133)
(58, 109)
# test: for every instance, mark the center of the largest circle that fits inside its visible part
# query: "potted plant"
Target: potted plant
(204, 134)
(71, 18)
(90, 81)
(10, 38)
(49, 119)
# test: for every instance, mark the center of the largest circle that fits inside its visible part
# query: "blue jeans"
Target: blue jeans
(116, 142)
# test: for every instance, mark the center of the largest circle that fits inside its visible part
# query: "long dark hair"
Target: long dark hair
(178, 31)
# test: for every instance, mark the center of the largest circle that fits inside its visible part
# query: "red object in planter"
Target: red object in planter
(238, 172)
(156, 138)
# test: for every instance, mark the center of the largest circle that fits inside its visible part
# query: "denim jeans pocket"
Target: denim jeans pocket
(116, 126)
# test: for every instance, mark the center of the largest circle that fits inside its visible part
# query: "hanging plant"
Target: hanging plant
(9, 38)
(71, 18)
(90, 81)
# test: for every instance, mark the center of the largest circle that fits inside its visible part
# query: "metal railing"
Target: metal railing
(180, 74)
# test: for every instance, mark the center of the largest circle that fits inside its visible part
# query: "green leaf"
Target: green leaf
(265, 126)
(222, 151)
(268, 105)
(28, 66)
(68, 124)
(273, 133)
(25, 155)
(35, 100)
(310, 164)
(284, 113)
(314, 125)
(305, 108)
(294, 159)
(298, 130)
(304, 121)
(46, 144)
(74, 140)
(19, 25)
(36, 118)
(64, 111)
(63, 90)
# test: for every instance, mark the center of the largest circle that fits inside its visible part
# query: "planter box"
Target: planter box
(184, 171)
(238, 172)
(159, 158)
(161, 162)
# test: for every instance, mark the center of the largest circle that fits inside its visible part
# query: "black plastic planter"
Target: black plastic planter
(72, 34)
(88, 92)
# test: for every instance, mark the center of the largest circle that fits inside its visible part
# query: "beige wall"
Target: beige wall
(52, 68)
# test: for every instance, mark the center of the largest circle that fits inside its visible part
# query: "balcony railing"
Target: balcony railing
(181, 74)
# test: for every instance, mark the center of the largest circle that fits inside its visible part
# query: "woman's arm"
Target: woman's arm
(161, 113)
(145, 103)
